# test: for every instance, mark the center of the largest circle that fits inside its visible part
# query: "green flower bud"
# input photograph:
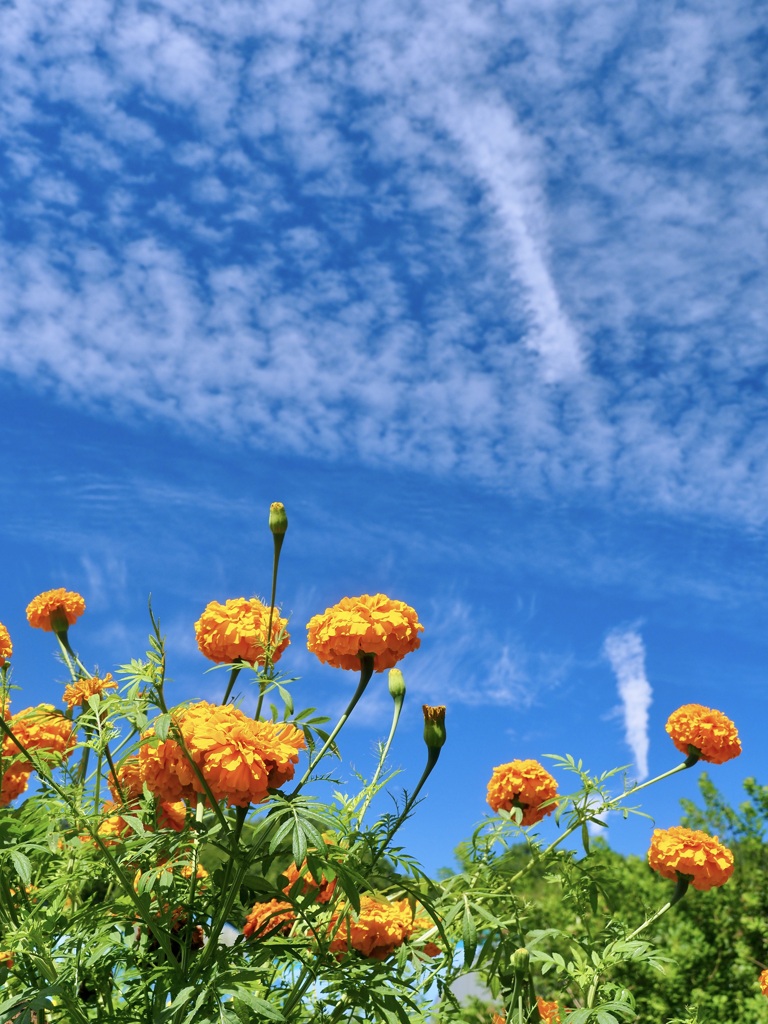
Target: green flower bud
(396, 684)
(278, 518)
(434, 726)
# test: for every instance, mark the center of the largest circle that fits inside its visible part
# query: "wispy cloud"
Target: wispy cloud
(625, 651)
(525, 247)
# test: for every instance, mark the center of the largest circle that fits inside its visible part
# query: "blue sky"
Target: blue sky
(477, 291)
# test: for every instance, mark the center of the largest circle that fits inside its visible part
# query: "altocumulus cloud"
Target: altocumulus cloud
(625, 651)
(521, 245)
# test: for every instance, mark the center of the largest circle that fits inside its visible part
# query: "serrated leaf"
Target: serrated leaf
(162, 726)
(260, 1006)
(468, 935)
(23, 866)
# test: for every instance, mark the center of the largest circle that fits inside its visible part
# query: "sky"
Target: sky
(477, 290)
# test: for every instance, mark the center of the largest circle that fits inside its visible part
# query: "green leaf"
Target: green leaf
(468, 935)
(162, 726)
(260, 1006)
(23, 866)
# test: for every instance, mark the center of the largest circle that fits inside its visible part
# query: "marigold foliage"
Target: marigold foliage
(379, 929)
(237, 631)
(6, 647)
(524, 784)
(710, 732)
(268, 918)
(369, 624)
(76, 694)
(239, 759)
(66, 604)
(698, 857)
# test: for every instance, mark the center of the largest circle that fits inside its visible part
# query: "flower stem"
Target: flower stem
(382, 758)
(236, 670)
(665, 775)
(680, 890)
(366, 671)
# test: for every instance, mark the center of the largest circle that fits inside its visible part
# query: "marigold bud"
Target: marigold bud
(278, 518)
(434, 726)
(520, 959)
(396, 684)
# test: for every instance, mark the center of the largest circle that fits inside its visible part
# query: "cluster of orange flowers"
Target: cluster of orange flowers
(525, 785)
(6, 647)
(369, 624)
(55, 609)
(76, 694)
(548, 1013)
(240, 759)
(321, 891)
(237, 631)
(699, 858)
(377, 931)
(41, 730)
(703, 731)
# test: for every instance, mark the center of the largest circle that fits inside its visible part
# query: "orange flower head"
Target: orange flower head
(710, 733)
(548, 1012)
(77, 693)
(41, 729)
(237, 631)
(55, 610)
(172, 814)
(239, 759)
(321, 891)
(265, 919)
(6, 959)
(763, 981)
(699, 858)
(524, 784)
(6, 647)
(370, 624)
(14, 782)
(379, 929)
(129, 777)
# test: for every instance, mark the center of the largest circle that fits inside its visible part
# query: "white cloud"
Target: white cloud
(526, 247)
(625, 651)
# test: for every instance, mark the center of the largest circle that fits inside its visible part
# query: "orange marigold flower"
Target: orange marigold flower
(704, 861)
(763, 981)
(42, 729)
(172, 814)
(704, 731)
(524, 784)
(378, 930)
(369, 624)
(129, 777)
(267, 919)
(237, 631)
(58, 607)
(322, 890)
(76, 694)
(14, 781)
(6, 958)
(239, 759)
(548, 1012)
(6, 647)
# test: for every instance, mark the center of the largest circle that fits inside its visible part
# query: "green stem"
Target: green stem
(236, 670)
(665, 775)
(366, 671)
(278, 539)
(433, 753)
(382, 758)
(680, 890)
